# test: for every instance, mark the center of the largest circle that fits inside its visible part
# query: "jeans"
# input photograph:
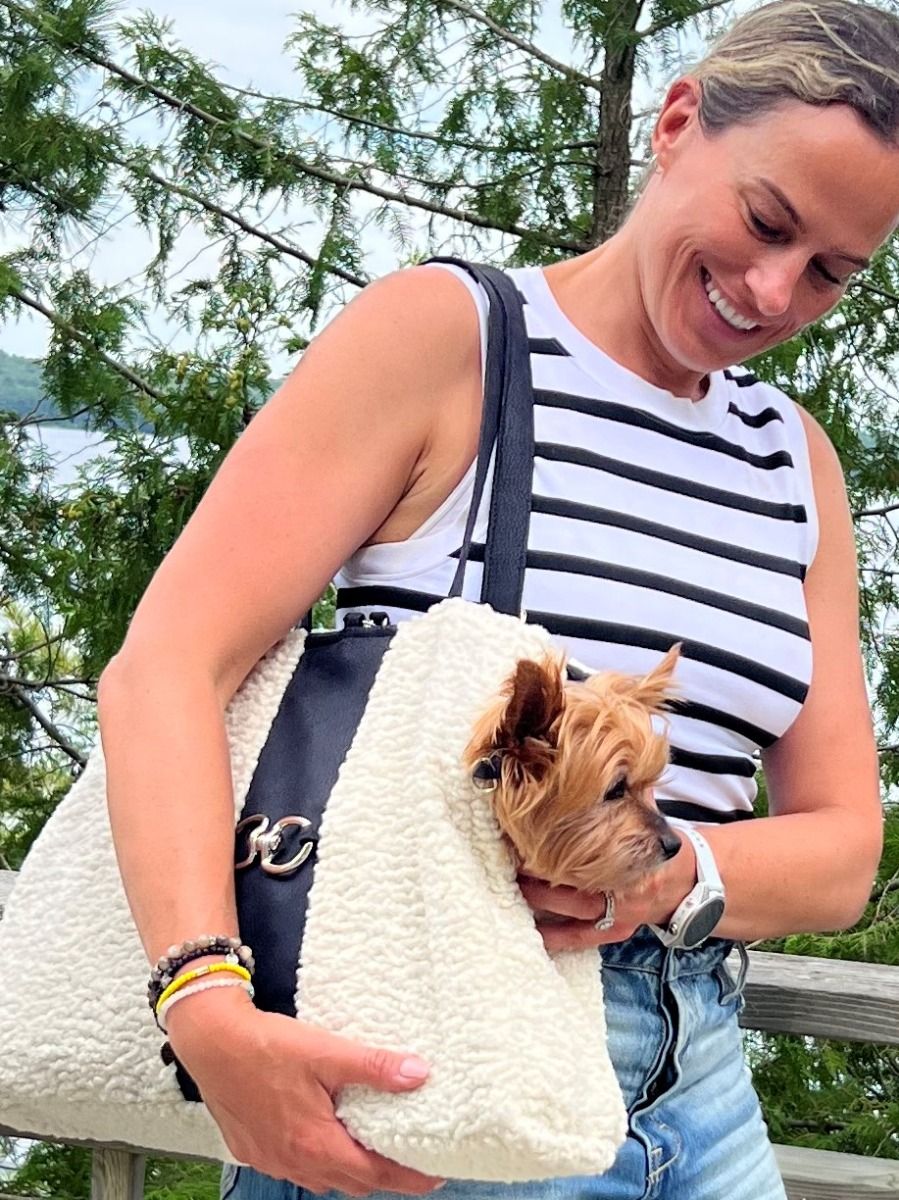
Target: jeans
(695, 1130)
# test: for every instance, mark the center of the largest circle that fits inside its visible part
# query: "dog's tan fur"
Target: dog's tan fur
(563, 746)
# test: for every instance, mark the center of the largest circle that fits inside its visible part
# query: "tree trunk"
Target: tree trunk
(611, 172)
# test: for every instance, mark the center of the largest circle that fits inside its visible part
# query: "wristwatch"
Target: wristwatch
(703, 906)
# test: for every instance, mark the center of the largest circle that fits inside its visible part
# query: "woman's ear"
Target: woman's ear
(679, 115)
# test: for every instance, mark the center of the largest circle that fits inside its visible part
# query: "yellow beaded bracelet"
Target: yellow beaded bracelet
(177, 984)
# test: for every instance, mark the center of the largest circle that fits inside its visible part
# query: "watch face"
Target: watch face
(701, 922)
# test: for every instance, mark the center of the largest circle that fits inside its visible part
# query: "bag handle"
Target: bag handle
(507, 423)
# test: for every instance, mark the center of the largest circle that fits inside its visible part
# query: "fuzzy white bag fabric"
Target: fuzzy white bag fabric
(79, 1049)
(417, 939)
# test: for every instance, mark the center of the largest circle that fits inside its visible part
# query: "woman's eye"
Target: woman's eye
(762, 227)
(823, 271)
(617, 791)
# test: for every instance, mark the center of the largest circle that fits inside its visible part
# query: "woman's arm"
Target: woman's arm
(342, 446)
(811, 863)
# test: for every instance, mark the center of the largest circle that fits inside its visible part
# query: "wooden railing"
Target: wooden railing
(784, 994)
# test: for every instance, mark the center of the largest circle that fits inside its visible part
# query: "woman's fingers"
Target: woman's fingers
(269, 1081)
(565, 901)
(338, 1061)
(365, 1169)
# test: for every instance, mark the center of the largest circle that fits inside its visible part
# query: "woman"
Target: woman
(673, 500)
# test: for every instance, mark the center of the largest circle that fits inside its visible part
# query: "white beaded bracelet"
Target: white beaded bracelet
(200, 986)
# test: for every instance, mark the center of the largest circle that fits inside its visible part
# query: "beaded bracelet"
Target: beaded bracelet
(199, 987)
(178, 956)
(183, 980)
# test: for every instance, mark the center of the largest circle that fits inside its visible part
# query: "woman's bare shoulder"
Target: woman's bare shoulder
(318, 471)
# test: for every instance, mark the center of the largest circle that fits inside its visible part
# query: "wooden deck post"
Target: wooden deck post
(117, 1175)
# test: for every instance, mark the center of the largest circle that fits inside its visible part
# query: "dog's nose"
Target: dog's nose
(670, 844)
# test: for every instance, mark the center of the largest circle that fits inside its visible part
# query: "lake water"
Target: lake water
(70, 448)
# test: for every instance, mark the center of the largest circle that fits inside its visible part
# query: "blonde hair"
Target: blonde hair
(821, 52)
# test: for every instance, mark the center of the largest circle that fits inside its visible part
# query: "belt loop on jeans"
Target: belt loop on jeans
(744, 965)
(737, 989)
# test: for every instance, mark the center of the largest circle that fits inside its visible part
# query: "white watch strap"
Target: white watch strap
(706, 867)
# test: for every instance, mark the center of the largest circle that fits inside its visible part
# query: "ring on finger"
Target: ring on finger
(607, 920)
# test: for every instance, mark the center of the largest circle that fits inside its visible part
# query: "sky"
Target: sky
(245, 42)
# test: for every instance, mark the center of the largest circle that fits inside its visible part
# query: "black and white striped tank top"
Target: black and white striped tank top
(654, 520)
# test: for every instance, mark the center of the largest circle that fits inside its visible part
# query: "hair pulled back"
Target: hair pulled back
(821, 52)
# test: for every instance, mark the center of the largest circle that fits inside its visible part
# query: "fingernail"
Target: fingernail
(414, 1068)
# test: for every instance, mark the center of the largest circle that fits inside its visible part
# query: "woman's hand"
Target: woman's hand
(269, 1081)
(566, 917)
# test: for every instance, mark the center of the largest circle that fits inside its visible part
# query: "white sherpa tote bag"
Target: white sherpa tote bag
(416, 940)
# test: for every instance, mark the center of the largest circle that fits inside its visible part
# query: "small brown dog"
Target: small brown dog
(572, 765)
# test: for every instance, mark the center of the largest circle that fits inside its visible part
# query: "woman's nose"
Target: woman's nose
(772, 282)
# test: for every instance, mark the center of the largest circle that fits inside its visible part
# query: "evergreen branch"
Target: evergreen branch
(16, 758)
(87, 698)
(528, 47)
(68, 328)
(352, 118)
(13, 177)
(894, 749)
(37, 685)
(12, 656)
(816, 1126)
(12, 687)
(413, 134)
(37, 420)
(666, 22)
(346, 183)
(254, 230)
(875, 512)
(891, 885)
(873, 290)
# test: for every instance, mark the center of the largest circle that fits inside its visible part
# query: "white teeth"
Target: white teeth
(724, 309)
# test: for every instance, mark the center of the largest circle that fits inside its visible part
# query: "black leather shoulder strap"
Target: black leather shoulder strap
(507, 424)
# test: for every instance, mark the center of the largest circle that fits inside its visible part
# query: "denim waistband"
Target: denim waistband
(643, 951)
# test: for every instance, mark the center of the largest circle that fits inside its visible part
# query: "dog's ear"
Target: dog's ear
(658, 686)
(535, 701)
(520, 725)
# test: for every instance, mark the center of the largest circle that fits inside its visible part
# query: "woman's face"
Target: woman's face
(749, 235)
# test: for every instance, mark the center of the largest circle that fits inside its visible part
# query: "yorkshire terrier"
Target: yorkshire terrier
(571, 760)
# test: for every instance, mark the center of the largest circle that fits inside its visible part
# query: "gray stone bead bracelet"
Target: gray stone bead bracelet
(178, 956)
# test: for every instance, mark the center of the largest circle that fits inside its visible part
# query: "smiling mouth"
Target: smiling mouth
(729, 315)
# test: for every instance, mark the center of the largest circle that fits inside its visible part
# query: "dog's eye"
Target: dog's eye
(617, 791)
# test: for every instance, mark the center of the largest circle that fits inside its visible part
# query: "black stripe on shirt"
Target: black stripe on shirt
(380, 594)
(755, 420)
(724, 720)
(625, 415)
(745, 380)
(670, 483)
(577, 511)
(547, 560)
(713, 764)
(698, 812)
(548, 345)
(654, 639)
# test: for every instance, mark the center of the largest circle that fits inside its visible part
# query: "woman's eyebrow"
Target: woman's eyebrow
(794, 216)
